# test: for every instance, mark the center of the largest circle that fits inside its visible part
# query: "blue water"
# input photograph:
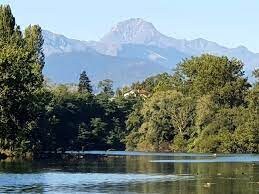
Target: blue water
(135, 172)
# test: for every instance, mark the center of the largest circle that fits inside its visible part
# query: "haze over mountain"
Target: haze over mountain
(133, 50)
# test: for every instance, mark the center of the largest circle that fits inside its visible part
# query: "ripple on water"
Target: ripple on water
(55, 181)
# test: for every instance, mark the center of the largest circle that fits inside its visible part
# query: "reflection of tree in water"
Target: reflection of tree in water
(220, 177)
(207, 177)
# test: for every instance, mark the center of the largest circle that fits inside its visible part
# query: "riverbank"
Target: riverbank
(79, 155)
(57, 155)
(4, 154)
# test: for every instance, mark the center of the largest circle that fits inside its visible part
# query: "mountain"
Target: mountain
(66, 58)
(135, 31)
(133, 50)
(66, 67)
(139, 32)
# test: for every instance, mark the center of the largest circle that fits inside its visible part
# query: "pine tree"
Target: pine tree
(84, 85)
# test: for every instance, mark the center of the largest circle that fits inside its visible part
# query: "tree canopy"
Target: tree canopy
(207, 105)
(21, 81)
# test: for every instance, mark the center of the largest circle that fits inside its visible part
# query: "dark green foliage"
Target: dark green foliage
(35, 117)
(219, 77)
(206, 106)
(163, 116)
(84, 84)
(21, 82)
(159, 82)
(7, 24)
(34, 43)
(83, 136)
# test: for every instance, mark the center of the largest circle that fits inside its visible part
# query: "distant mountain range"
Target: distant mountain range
(133, 50)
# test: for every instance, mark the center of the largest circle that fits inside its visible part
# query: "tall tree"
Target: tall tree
(84, 84)
(219, 77)
(21, 81)
(34, 43)
(7, 23)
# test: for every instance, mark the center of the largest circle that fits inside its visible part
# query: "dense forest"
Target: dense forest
(205, 105)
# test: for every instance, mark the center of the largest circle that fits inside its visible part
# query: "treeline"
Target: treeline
(76, 119)
(36, 116)
(207, 105)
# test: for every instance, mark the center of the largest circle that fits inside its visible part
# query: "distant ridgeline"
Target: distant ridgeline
(131, 51)
(206, 105)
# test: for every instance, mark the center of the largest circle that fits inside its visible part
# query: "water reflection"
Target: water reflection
(134, 173)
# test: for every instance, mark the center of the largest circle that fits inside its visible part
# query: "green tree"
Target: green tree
(84, 84)
(99, 132)
(34, 44)
(116, 135)
(133, 124)
(205, 112)
(106, 87)
(70, 113)
(247, 132)
(7, 24)
(246, 135)
(164, 115)
(219, 77)
(217, 134)
(84, 136)
(21, 81)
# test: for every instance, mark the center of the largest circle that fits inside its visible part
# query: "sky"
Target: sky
(228, 22)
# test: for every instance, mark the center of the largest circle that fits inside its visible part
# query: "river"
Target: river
(135, 172)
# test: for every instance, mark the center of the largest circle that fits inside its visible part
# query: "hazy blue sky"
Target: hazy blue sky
(228, 22)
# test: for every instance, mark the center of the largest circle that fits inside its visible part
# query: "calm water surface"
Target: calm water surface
(135, 172)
